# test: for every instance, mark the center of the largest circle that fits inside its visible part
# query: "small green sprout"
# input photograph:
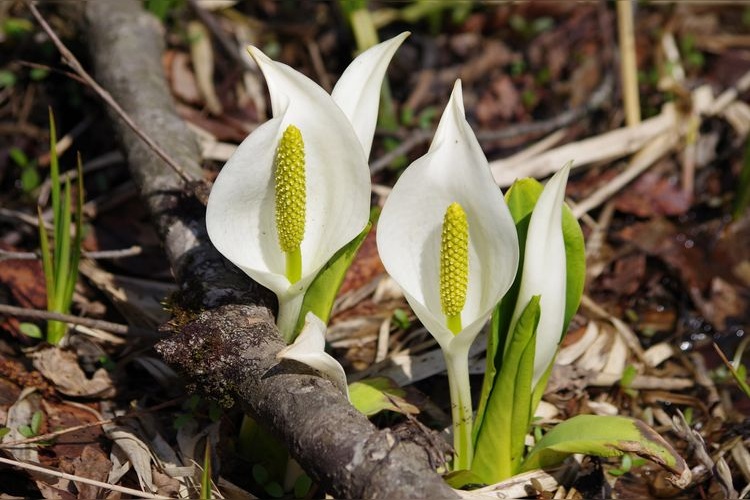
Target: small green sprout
(60, 256)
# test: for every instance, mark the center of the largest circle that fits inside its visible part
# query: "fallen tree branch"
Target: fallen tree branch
(231, 351)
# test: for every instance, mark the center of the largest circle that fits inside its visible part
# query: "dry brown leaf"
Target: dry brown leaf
(92, 464)
(62, 369)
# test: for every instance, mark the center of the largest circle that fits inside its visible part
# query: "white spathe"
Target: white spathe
(309, 348)
(544, 271)
(240, 216)
(409, 229)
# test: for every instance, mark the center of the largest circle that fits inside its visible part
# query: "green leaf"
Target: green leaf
(322, 292)
(604, 436)
(29, 179)
(18, 157)
(25, 431)
(274, 490)
(302, 486)
(38, 74)
(401, 319)
(206, 493)
(7, 78)
(371, 396)
(36, 422)
(463, 479)
(258, 446)
(30, 330)
(16, 26)
(499, 441)
(47, 263)
(75, 255)
(260, 474)
(4, 431)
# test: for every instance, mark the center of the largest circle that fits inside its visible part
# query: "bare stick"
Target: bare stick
(99, 255)
(79, 479)
(90, 322)
(627, 63)
(52, 435)
(71, 61)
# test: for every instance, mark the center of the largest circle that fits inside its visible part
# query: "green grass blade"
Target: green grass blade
(54, 169)
(206, 474)
(47, 265)
(75, 256)
(62, 259)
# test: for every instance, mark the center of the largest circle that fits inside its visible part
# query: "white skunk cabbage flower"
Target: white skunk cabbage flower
(309, 348)
(544, 271)
(447, 238)
(298, 187)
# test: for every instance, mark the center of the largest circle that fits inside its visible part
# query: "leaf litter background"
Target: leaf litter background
(668, 265)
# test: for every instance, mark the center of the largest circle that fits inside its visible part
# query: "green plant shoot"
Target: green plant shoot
(60, 259)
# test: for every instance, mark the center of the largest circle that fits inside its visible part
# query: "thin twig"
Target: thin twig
(98, 255)
(76, 320)
(79, 479)
(71, 61)
(55, 434)
(414, 140)
(598, 97)
(628, 69)
(98, 163)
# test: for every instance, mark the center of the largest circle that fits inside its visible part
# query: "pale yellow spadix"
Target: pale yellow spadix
(454, 265)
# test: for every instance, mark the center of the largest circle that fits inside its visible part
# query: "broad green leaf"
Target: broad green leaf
(4, 431)
(322, 292)
(371, 396)
(605, 436)
(498, 442)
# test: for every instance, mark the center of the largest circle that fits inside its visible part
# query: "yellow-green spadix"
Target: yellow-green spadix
(409, 234)
(337, 133)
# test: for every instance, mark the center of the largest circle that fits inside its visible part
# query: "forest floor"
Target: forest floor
(667, 233)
